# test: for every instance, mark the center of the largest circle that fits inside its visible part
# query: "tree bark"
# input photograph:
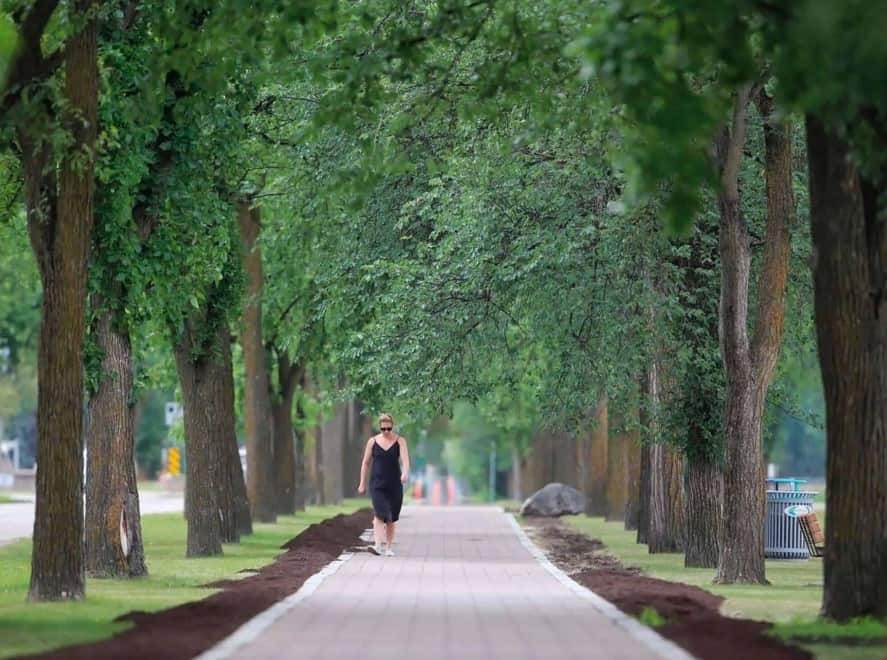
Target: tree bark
(666, 524)
(849, 275)
(705, 496)
(633, 491)
(644, 497)
(205, 452)
(60, 230)
(300, 468)
(617, 470)
(700, 402)
(749, 365)
(333, 446)
(288, 377)
(596, 497)
(258, 420)
(236, 519)
(113, 523)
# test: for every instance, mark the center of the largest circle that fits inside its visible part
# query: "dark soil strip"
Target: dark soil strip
(691, 614)
(191, 628)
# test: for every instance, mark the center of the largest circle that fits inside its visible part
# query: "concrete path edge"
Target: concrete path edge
(644, 634)
(250, 630)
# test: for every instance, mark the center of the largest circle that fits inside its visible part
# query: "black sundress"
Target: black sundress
(386, 489)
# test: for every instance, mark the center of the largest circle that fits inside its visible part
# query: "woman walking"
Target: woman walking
(385, 452)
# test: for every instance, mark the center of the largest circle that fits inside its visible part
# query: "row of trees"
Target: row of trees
(576, 212)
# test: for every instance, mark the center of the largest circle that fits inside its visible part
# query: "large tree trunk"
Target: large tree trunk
(60, 231)
(666, 528)
(205, 452)
(749, 366)
(257, 387)
(701, 404)
(235, 516)
(617, 470)
(596, 496)
(850, 248)
(742, 546)
(705, 496)
(113, 524)
(284, 440)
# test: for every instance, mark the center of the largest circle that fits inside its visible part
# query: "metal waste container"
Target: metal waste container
(782, 534)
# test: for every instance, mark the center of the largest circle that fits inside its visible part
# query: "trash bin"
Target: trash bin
(782, 533)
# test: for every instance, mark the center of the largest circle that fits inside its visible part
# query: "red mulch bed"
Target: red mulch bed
(692, 616)
(191, 628)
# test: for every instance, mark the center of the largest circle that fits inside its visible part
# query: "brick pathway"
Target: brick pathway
(461, 586)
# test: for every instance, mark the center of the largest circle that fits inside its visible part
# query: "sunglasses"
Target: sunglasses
(387, 428)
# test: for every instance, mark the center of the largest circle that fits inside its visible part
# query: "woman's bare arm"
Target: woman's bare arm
(405, 459)
(365, 465)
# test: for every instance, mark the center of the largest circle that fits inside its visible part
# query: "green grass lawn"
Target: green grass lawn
(32, 627)
(7, 499)
(791, 601)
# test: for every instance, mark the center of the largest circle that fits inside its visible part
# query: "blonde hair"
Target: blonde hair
(385, 417)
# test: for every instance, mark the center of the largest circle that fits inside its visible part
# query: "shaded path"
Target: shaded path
(463, 585)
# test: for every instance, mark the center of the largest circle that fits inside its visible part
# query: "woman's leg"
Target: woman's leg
(389, 532)
(378, 531)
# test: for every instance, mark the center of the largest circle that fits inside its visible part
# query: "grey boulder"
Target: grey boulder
(554, 500)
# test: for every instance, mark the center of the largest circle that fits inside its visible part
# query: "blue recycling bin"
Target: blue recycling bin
(782, 533)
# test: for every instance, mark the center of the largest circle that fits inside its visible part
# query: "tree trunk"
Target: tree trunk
(850, 248)
(633, 493)
(742, 546)
(204, 450)
(300, 469)
(666, 524)
(705, 496)
(334, 431)
(236, 519)
(284, 440)
(517, 492)
(596, 497)
(113, 524)
(60, 233)
(257, 387)
(644, 498)
(749, 366)
(617, 470)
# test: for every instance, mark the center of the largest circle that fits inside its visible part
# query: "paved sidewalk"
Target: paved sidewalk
(461, 586)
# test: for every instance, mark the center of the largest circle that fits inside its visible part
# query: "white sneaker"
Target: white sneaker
(389, 552)
(376, 549)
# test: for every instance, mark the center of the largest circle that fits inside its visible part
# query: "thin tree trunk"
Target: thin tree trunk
(596, 497)
(334, 432)
(257, 387)
(644, 498)
(235, 517)
(60, 231)
(301, 473)
(617, 470)
(850, 248)
(113, 523)
(517, 492)
(633, 492)
(284, 440)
